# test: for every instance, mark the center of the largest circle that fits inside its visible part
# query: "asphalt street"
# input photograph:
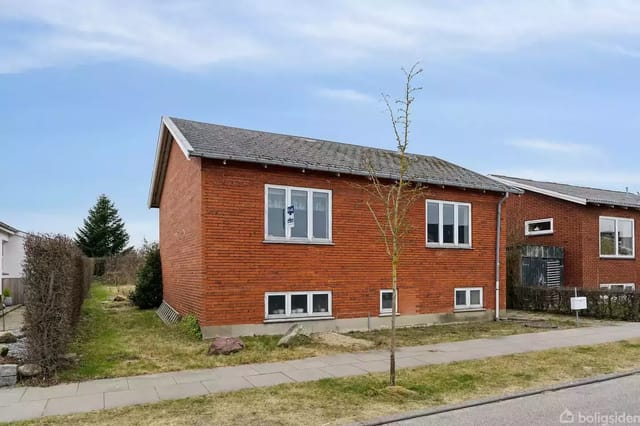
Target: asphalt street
(614, 402)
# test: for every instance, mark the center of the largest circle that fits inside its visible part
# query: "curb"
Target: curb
(478, 402)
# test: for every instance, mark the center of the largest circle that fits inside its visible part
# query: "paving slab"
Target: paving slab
(340, 359)
(193, 376)
(102, 385)
(308, 375)
(150, 381)
(269, 379)
(10, 395)
(303, 364)
(57, 391)
(235, 371)
(227, 385)
(130, 397)
(373, 366)
(408, 362)
(181, 390)
(22, 411)
(344, 370)
(74, 404)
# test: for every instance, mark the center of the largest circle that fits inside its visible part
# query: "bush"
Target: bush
(6, 292)
(56, 280)
(190, 327)
(148, 291)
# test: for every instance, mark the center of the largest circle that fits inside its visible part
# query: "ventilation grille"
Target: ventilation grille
(554, 273)
(168, 314)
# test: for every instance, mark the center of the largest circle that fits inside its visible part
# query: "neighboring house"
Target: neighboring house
(11, 251)
(230, 257)
(595, 227)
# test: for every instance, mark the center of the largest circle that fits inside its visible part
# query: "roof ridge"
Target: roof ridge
(566, 184)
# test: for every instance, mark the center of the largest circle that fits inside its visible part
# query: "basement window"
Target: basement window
(616, 237)
(468, 298)
(386, 302)
(619, 287)
(538, 227)
(295, 214)
(300, 304)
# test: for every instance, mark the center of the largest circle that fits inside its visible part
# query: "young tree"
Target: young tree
(102, 233)
(392, 201)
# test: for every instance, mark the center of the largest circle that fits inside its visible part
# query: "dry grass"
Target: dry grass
(339, 401)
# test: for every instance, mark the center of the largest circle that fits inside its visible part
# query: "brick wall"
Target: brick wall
(180, 233)
(239, 267)
(576, 229)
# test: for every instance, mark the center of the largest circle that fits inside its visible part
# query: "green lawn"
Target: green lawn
(116, 339)
(340, 401)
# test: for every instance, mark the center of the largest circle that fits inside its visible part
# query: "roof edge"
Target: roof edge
(548, 192)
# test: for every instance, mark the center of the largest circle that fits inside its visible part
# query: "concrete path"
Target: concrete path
(31, 402)
(13, 318)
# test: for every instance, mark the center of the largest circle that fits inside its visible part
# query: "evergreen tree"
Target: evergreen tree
(103, 232)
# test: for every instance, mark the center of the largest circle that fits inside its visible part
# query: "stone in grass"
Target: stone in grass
(296, 335)
(119, 298)
(8, 337)
(225, 346)
(4, 351)
(29, 370)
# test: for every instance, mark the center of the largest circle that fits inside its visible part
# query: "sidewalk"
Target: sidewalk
(21, 403)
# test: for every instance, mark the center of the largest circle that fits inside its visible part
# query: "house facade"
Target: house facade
(11, 252)
(595, 227)
(259, 230)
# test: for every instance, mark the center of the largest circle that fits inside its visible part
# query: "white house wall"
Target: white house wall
(13, 255)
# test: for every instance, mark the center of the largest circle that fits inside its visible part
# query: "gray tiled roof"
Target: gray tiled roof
(231, 143)
(8, 228)
(589, 195)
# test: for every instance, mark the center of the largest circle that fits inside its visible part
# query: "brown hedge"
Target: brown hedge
(57, 279)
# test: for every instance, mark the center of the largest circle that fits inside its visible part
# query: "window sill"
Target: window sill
(448, 246)
(272, 320)
(469, 310)
(618, 257)
(536, 234)
(388, 314)
(304, 242)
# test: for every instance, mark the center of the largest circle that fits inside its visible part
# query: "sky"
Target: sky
(546, 89)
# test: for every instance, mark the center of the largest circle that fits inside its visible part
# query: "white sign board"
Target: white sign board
(290, 217)
(578, 303)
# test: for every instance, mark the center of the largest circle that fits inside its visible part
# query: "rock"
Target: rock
(29, 370)
(225, 346)
(4, 351)
(8, 337)
(119, 298)
(291, 335)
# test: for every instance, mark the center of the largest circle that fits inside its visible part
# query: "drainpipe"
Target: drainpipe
(498, 229)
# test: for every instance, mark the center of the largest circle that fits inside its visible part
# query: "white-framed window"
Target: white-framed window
(619, 286)
(617, 237)
(386, 301)
(538, 226)
(297, 214)
(297, 304)
(468, 298)
(448, 224)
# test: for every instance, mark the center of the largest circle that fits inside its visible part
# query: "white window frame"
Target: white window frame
(388, 311)
(633, 238)
(287, 301)
(287, 229)
(440, 243)
(536, 221)
(627, 286)
(468, 305)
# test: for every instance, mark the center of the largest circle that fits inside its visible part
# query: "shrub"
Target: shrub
(6, 292)
(148, 291)
(56, 281)
(190, 327)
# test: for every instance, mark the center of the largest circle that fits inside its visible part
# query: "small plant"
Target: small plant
(148, 291)
(6, 292)
(4, 351)
(189, 326)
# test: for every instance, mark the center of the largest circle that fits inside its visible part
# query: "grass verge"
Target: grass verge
(339, 401)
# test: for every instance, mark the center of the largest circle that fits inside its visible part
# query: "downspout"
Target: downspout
(498, 229)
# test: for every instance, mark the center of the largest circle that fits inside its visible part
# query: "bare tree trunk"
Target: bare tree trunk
(392, 343)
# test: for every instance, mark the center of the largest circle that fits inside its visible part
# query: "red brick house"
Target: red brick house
(258, 230)
(595, 227)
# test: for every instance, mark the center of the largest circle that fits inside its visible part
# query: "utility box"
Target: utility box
(541, 266)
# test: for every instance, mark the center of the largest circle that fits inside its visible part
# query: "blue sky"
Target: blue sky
(545, 90)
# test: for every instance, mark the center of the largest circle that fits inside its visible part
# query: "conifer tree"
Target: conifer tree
(103, 232)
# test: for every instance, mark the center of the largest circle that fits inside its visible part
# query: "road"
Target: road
(588, 404)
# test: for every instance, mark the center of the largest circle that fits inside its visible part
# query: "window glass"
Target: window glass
(320, 303)
(299, 202)
(461, 297)
(299, 303)
(607, 237)
(474, 295)
(275, 214)
(463, 224)
(320, 215)
(625, 238)
(447, 223)
(387, 299)
(276, 304)
(433, 219)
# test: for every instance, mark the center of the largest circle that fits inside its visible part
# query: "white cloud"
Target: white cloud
(348, 95)
(554, 147)
(192, 34)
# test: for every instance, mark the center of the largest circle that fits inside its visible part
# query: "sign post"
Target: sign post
(578, 303)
